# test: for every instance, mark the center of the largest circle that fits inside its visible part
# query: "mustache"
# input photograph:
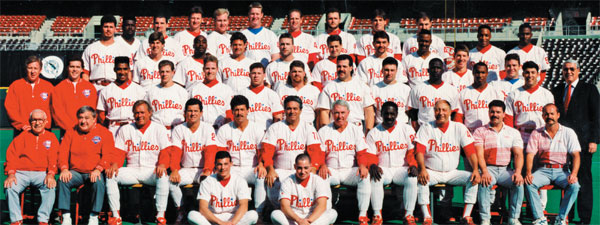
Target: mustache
(494, 117)
(550, 119)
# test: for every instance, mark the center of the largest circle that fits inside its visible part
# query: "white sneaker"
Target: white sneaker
(540, 221)
(93, 220)
(559, 221)
(485, 222)
(66, 219)
(514, 221)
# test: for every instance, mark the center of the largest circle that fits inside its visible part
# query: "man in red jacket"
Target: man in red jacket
(31, 161)
(26, 94)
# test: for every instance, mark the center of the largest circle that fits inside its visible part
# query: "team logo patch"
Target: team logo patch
(96, 139)
(47, 144)
(44, 96)
(86, 93)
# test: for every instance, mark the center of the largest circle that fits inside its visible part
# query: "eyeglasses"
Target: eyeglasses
(569, 68)
(37, 120)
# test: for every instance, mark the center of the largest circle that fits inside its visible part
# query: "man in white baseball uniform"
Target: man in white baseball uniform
(550, 149)
(146, 147)
(186, 37)
(128, 39)
(473, 100)
(145, 71)
(460, 76)
(325, 70)
(242, 139)
(438, 145)
(278, 70)
(332, 27)
(352, 90)
(234, 70)
(303, 197)
(189, 71)
(218, 40)
(223, 197)
(512, 78)
(262, 42)
(390, 89)
(369, 69)
(417, 63)
(365, 45)
(167, 98)
(485, 52)
(297, 84)
(215, 96)
(265, 107)
(494, 143)
(115, 101)
(393, 141)
(98, 57)
(172, 47)
(411, 45)
(305, 46)
(530, 52)
(422, 98)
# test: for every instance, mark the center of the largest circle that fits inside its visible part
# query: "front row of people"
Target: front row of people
(294, 165)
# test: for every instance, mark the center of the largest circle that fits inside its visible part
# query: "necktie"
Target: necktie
(568, 98)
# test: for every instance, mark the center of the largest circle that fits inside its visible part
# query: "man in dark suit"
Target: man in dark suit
(577, 102)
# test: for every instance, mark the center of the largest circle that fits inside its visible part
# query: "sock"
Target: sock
(408, 213)
(116, 214)
(425, 210)
(362, 213)
(94, 214)
(160, 214)
(66, 215)
(377, 213)
(468, 209)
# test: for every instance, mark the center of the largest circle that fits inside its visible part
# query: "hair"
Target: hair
(286, 35)
(478, 64)
(422, 15)
(390, 61)
(84, 109)
(38, 110)
(497, 103)
(424, 31)
(129, 18)
(73, 58)
(512, 56)
(166, 63)
(379, 13)
(142, 102)
(389, 104)
(157, 36)
(255, 5)
(435, 60)
(220, 11)
(121, 59)
(292, 98)
(238, 36)
(300, 64)
(381, 34)
(574, 61)
(445, 102)
(108, 19)
(342, 103)
(333, 38)
(196, 9)
(345, 57)
(332, 10)
(529, 65)
(160, 16)
(294, 10)
(31, 59)
(239, 100)
(193, 101)
(257, 65)
(462, 48)
(211, 58)
(198, 38)
(302, 156)
(523, 26)
(483, 26)
(222, 155)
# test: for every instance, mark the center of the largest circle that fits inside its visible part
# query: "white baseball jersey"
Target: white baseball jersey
(235, 73)
(391, 144)
(278, 70)
(193, 143)
(411, 45)
(261, 45)
(303, 195)
(171, 49)
(364, 46)
(308, 94)
(186, 39)
(131, 48)
(369, 70)
(526, 106)
(117, 101)
(223, 196)
(397, 93)
(304, 45)
(532, 53)
(474, 105)
(325, 71)
(288, 143)
(142, 148)
(497, 145)
(416, 67)
(189, 72)
(241, 145)
(442, 148)
(99, 59)
(424, 96)
(458, 80)
(215, 98)
(492, 56)
(167, 104)
(145, 71)
(506, 86)
(264, 105)
(355, 92)
(348, 43)
(341, 148)
(219, 44)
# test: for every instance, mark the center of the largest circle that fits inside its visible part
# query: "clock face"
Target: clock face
(52, 67)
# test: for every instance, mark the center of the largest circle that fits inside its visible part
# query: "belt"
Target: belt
(554, 166)
(103, 82)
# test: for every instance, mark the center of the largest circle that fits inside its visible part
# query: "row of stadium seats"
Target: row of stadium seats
(14, 44)
(537, 23)
(309, 22)
(20, 25)
(69, 26)
(595, 23)
(179, 23)
(459, 24)
(71, 44)
(584, 50)
(363, 24)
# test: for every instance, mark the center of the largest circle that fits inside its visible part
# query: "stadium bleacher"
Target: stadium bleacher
(584, 50)
(458, 24)
(595, 23)
(69, 26)
(142, 24)
(14, 44)
(69, 44)
(20, 25)
(537, 23)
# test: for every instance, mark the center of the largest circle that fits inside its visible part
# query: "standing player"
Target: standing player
(325, 70)
(70, 95)
(127, 38)
(512, 79)
(438, 150)
(485, 52)
(352, 90)
(305, 47)
(460, 76)
(332, 27)
(494, 143)
(422, 98)
(172, 47)
(262, 42)
(167, 98)
(186, 37)
(189, 71)
(278, 70)
(297, 84)
(115, 101)
(474, 100)
(411, 44)
(369, 70)
(365, 45)
(416, 64)
(218, 43)
(393, 141)
(530, 52)
(265, 107)
(146, 72)
(223, 197)
(389, 89)
(347, 156)
(303, 197)
(141, 143)
(234, 69)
